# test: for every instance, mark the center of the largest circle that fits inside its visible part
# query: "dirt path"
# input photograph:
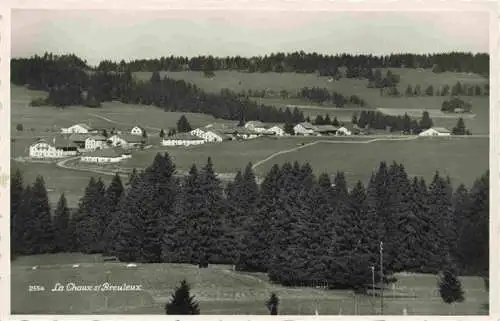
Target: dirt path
(120, 123)
(291, 150)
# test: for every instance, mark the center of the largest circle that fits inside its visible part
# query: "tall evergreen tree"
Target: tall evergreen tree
(183, 125)
(16, 219)
(24, 223)
(114, 196)
(272, 304)
(42, 231)
(182, 303)
(425, 121)
(450, 287)
(61, 225)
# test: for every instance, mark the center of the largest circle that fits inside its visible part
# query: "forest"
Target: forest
(294, 226)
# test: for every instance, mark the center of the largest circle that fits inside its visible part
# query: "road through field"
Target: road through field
(119, 123)
(291, 150)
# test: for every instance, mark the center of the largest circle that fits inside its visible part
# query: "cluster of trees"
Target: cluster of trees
(460, 128)
(381, 121)
(323, 95)
(458, 89)
(301, 62)
(375, 79)
(320, 120)
(454, 104)
(295, 226)
(91, 88)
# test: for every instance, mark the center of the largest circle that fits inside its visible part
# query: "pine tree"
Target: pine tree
(90, 218)
(182, 303)
(272, 304)
(426, 121)
(24, 222)
(459, 128)
(183, 125)
(16, 219)
(114, 196)
(162, 133)
(42, 231)
(449, 285)
(61, 225)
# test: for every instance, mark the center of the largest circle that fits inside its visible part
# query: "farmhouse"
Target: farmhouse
(109, 155)
(78, 128)
(137, 130)
(435, 131)
(256, 126)
(241, 133)
(88, 141)
(276, 130)
(344, 131)
(197, 132)
(325, 130)
(126, 141)
(304, 128)
(59, 148)
(182, 139)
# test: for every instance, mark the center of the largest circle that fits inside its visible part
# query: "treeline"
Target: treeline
(323, 95)
(295, 226)
(381, 121)
(456, 104)
(68, 84)
(301, 62)
(458, 89)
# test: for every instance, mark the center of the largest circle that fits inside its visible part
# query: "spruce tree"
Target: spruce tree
(272, 304)
(183, 125)
(90, 218)
(182, 303)
(425, 121)
(42, 229)
(24, 222)
(114, 196)
(61, 225)
(16, 220)
(255, 253)
(459, 128)
(449, 285)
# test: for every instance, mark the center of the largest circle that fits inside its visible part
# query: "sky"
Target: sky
(97, 35)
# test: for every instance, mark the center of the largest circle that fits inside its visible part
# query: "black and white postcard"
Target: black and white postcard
(249, 160)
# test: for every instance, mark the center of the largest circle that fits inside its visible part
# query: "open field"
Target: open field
(218, 289)
(292, 82)
(58, 180)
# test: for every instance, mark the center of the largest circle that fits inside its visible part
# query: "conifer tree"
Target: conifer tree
(24, 223)
(459, 128)
(450, 287)
(162, 133)
(90, 218)
(42, 231)
(255, 254)
(16, 219)
(183, 125)
(425, 121)
(272, 304)
(114, 196)
(61, 225)
(182, 303)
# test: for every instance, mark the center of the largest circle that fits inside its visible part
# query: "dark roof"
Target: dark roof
(326, 128)
(306, 125)
(129, 138)
(106, 152)
(83, 137)
(183, 136)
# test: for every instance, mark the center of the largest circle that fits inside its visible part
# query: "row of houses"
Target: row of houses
(86, 129)
(307, 129)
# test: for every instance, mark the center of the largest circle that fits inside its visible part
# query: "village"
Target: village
(105, 145)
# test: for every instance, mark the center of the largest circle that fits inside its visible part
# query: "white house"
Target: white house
(435, 131)
(277, 130)
(58, 149)
(109, 155)
(256, 126)
(137, 130)
(211, 136)
(182, 139)
(241, 133)
(343, 131)
(304, 128)
(77, 129)
(125, 141)
(197, 132)
(94, 142)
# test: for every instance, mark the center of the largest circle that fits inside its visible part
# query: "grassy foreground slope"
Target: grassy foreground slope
(218, 289)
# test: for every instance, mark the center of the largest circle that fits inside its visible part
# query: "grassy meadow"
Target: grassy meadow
(292, 82)
(218, 289)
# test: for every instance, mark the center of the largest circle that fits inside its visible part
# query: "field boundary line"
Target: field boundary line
(291, 150)
(119, 123)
